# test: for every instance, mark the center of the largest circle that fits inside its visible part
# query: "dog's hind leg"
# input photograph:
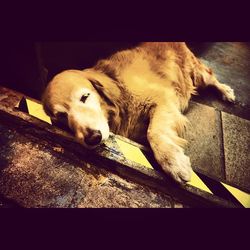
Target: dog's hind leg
(162, 134)
(205, 77)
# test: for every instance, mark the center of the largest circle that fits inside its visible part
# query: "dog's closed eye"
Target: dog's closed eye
(84, 97)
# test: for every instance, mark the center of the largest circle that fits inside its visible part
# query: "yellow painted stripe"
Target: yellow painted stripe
(198, 183)
(133, 153)
(242, 197)
(36, 109)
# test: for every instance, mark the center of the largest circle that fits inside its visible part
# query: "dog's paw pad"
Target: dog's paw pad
(185, 174)
(228, 93)
(180, 169)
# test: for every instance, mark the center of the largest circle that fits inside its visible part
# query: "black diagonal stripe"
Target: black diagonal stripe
(23, 105)
(218, 189)
(215, 186)
(151, 159)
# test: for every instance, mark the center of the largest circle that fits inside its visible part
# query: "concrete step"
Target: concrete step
(34, 173)
(219, 144)
(236, 139)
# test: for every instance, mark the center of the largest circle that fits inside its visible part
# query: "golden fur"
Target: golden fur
(138, 93)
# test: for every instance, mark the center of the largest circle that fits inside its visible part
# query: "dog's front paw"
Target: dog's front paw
(227, 93)
(178, 167)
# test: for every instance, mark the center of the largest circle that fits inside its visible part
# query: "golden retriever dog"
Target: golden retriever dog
(138, 93)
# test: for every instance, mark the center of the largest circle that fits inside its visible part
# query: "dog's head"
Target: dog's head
(74, 99)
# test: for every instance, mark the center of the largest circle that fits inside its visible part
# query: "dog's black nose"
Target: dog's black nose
(93, 137)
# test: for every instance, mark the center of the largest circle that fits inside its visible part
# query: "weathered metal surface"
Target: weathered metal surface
(9, 98)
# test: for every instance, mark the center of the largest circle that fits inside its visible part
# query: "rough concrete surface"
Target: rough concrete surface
(36, 174)
(204, 139)
(236, 135)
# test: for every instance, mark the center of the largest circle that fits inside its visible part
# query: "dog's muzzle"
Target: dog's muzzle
(93, 137)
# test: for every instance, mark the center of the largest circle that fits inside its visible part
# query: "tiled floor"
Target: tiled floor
(219, 144)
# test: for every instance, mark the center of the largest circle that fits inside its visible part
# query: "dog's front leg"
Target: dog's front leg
(164, 127)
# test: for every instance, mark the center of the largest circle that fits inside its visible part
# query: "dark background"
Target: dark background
(28, 66)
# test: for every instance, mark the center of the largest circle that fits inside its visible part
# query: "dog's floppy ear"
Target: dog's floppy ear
(104, 93)
(46, 106)
(96, 84)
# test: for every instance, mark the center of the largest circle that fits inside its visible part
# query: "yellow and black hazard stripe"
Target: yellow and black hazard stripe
(198, 180)
(34, 109)
(133, 153)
